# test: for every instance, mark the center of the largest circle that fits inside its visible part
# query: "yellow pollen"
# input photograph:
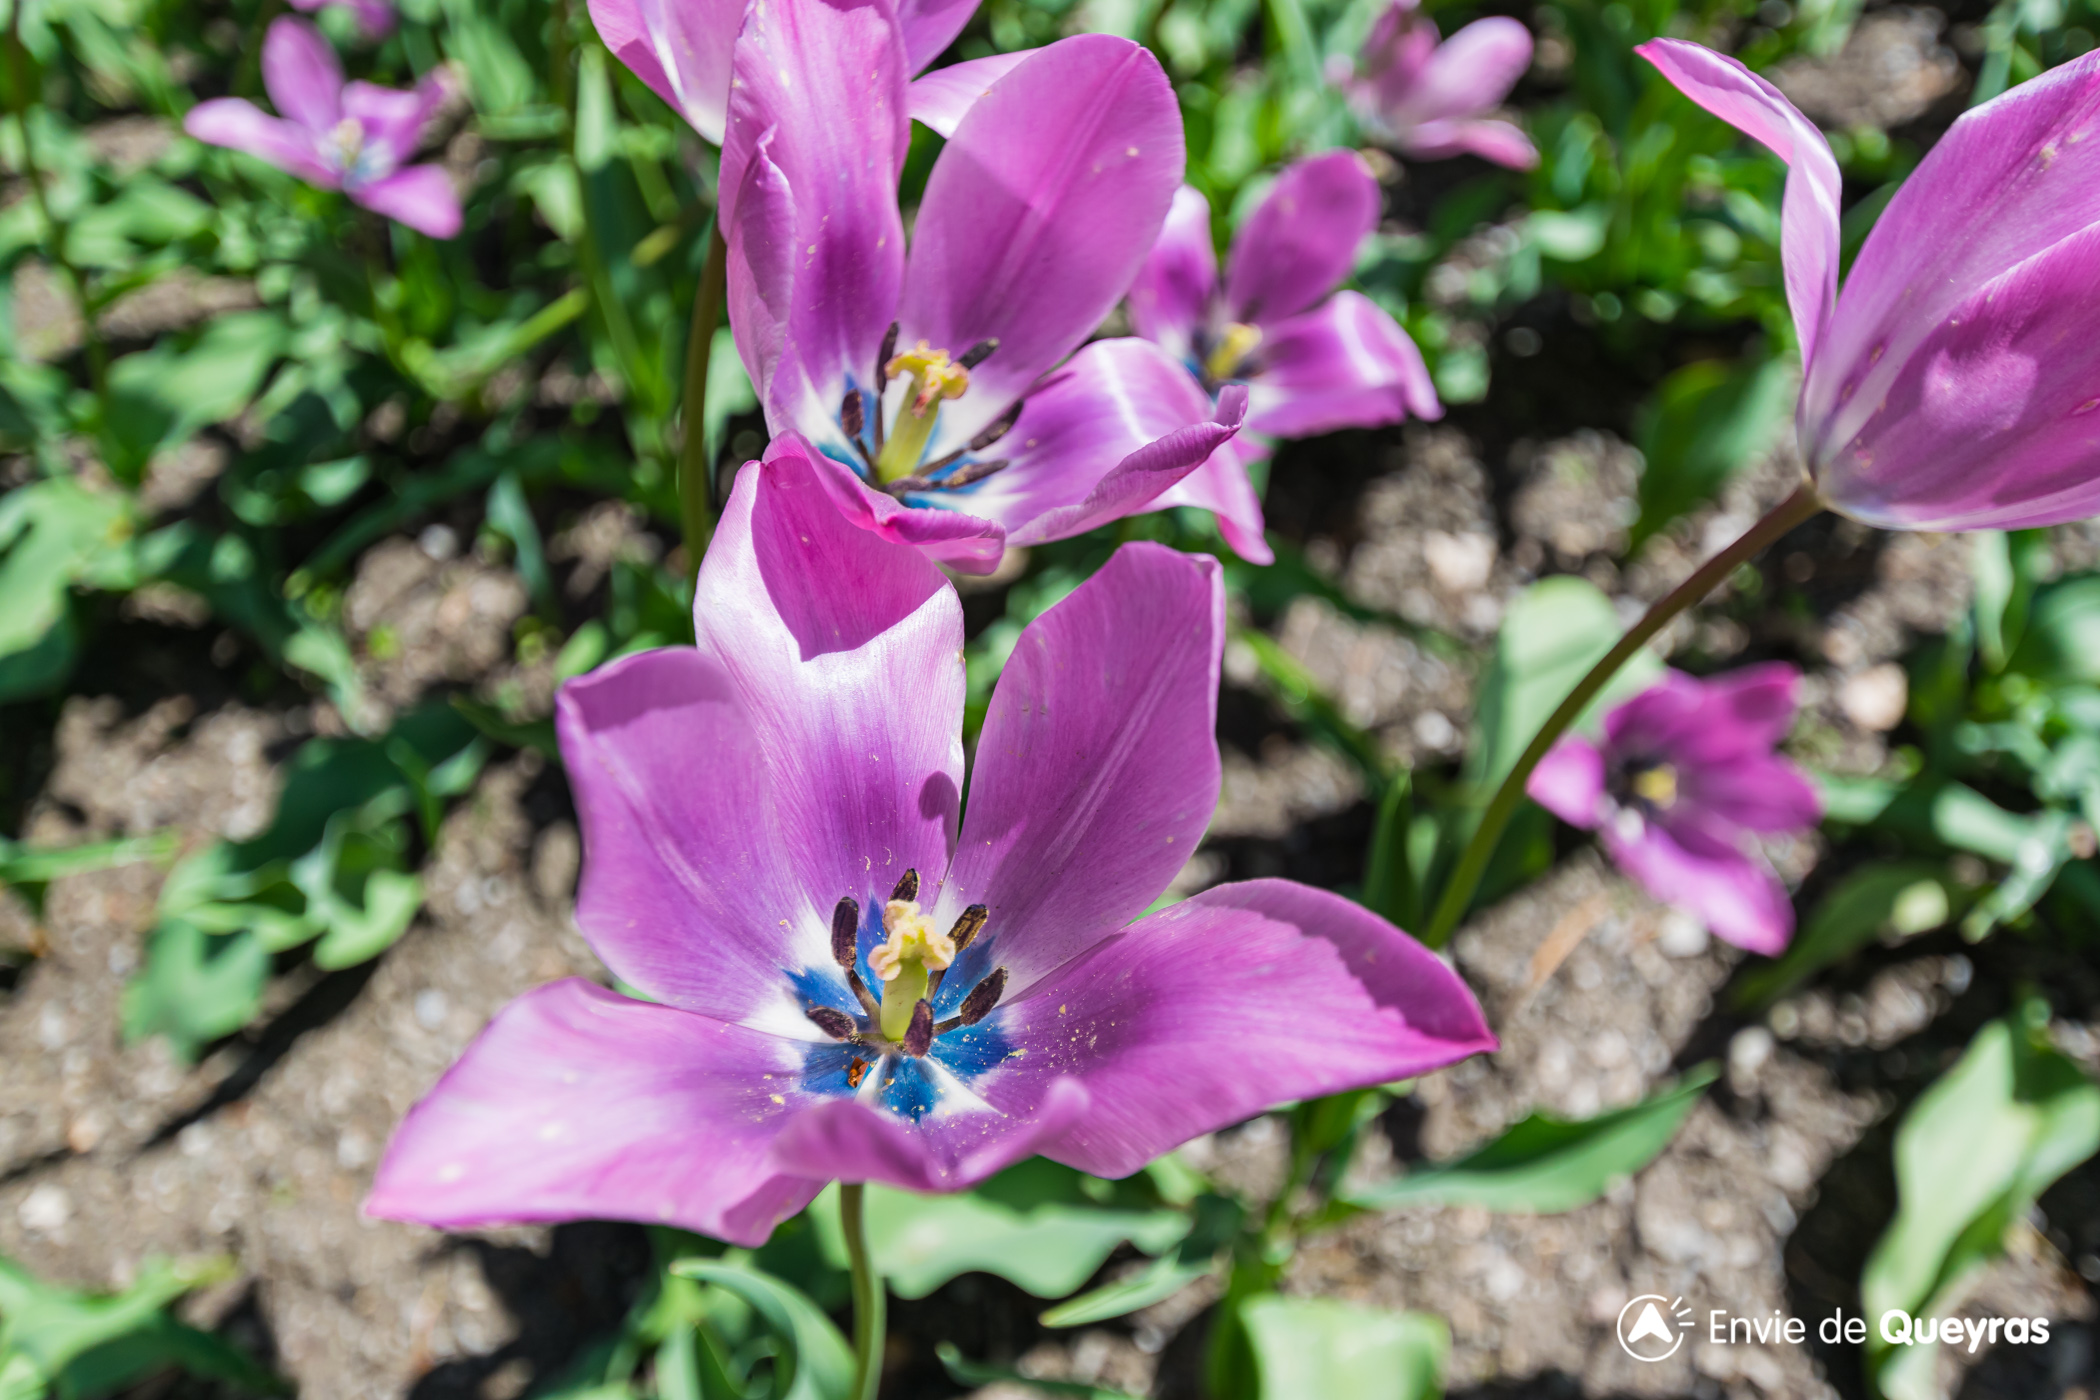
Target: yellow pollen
(1656, 786)
(934, 377)
(912, 939)
(349, 138)
(1235, 345)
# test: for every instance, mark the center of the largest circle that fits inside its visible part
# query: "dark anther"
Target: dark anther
(998, 428)
(833, 1022)
(972, 471)
(908, 887)
(982, 998)
(977, 354)
(852, 415)
(845, 933)
(883, 357)
(963, 476)
(918, 1036)
(856, 1072)
(968, 926)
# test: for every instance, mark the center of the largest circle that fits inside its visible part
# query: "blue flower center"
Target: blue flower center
(927, 1029)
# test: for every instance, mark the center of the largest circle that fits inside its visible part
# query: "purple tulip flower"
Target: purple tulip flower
(374, 17)
(1954, 384)
(1314, 359)
(935, 385)
(1430, 100)
(844, 989)
(352, 137)
(1686, 774)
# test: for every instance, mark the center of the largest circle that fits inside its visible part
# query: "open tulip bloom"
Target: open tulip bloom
(935, 387)
(1955, 382)
(1314, 359)
(1683, 781)
(1430, 100)
(352, 137)
(842, 988)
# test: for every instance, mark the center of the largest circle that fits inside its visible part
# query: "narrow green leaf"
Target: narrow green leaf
(1545, 1165)
(966, 1372)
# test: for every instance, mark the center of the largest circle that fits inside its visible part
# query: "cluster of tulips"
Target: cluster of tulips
(851, 977)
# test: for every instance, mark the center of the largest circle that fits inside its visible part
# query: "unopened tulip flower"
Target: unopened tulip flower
(935, 384)
(374, 17)
(681, 48)
(842, 986)
(1314, 359)
(352, 137)
(1430, 100)
(1954, 384)
(1684, 780)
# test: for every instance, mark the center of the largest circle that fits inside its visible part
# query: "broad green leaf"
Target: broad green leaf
(53, 1326)
(1972, 1155)
(1217, 1218)
(54, 534)
(817, 1363)
(192, 991)
(1707, 421)
(1876, 901)
(2062, 640)
(1325, 1349)
(966, 1372)
(1047, 1246)
(162, 395)
(1553, 632)
(1545, 1165)
(358, 935)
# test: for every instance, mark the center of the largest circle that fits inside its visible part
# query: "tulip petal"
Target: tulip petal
(620, 26)
(1096, 771)
(818, 97)
(1732, 892)
(1301, 240)
(1140, 479)
(1171, 298)
(691, 42)
(577, 1103)
(1221, 486)
(1229, 1003)
(1498, 141)
(963, 542)
(1993, 421)
(2011, 180)
(847, 1141)
(1107, 404)
(421, 197)
(240, 125)
(1808, 242)
(939, 100)
(1037, 216)
(685, 895)
(302, 76)
(1728, 717)
(1344, 364)
(1471, 71)
(1569, 781)
(1757, 792)
(846, 652)
(930, 26)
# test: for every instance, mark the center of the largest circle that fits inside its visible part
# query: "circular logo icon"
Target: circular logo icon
(1652, 1327)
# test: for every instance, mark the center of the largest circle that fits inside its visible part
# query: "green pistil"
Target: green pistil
(933, 378)
(900, 994)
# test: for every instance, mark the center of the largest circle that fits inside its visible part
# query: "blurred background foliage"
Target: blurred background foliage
(219, 387)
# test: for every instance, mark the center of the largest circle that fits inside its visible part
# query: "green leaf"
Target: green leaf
(1876, 901)
(1325, 1349)
(162, 395)
(966, 1372)
(194, 987)
(1546, 1165)
(1972, 1156)
(1047, 1244)
(814, 1361)
(1553, 632)
(53, 535)
(2062, 640)
(55, 1329)
(1707, 421)
(1217, 1220)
